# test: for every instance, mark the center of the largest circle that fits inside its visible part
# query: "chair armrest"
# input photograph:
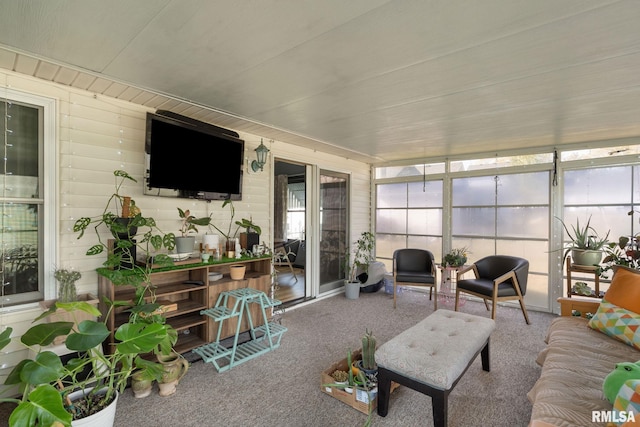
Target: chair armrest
(506, 276)
(465, 270)
(567, 305)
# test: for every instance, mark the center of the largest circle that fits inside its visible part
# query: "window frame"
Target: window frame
(47, 222)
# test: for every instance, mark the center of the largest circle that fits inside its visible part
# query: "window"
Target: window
(408, 215)
(25, 214)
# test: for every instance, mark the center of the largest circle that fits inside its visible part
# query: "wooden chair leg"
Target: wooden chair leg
(524, 311)
(455, 307)
(485, 304)
(435, 297)
(493, 308)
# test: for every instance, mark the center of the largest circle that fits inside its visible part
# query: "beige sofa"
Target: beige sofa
(574, 365)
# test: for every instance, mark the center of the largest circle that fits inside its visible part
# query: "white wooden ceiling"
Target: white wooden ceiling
(374, 80)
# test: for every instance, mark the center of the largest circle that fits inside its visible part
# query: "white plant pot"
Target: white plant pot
(586, 257)
(104, 418)
(352, 290)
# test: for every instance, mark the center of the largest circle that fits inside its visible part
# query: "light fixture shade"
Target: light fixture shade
(261, 154)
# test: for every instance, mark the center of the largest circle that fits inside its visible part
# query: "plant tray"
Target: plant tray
(358, 398)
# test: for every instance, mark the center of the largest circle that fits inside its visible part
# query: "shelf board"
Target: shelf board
(185, 322)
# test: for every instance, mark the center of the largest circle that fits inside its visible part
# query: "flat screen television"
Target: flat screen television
(192, 159)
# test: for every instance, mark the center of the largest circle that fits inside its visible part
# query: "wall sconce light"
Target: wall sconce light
(261, 154)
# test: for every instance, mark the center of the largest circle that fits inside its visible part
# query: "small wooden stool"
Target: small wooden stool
(432, 356)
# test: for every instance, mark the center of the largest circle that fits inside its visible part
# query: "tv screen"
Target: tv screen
(188, 158)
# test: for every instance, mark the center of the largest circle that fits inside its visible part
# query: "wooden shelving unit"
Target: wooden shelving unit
(190, 299)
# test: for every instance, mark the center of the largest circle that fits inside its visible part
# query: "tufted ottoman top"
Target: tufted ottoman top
(437, 350)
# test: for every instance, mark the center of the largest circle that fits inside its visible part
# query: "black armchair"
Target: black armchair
(497, 278)
(415, 267)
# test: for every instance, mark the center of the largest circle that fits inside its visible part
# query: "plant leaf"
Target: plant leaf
(139, 337)
(46, 368)
(90, 334)
(44, 408)
(5, 337)
(43, 334)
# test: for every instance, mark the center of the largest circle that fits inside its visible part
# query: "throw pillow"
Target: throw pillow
(624, 290)
(617, 322)
(628, 400)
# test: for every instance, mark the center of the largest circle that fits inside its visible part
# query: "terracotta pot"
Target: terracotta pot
(237, 271)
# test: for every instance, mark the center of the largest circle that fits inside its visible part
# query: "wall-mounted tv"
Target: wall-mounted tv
(191, 159)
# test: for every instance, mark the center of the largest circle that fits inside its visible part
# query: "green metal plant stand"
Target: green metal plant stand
(264, 338)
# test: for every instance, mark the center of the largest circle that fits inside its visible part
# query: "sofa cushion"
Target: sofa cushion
(617, 322)
(624, 290)
(574, 366)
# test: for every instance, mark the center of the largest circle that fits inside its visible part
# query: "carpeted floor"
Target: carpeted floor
(282, 387)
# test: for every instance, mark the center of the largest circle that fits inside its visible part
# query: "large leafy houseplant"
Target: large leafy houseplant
(45, 379)
(46, 382)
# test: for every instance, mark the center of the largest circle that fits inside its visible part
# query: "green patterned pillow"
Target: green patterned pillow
(617, 322)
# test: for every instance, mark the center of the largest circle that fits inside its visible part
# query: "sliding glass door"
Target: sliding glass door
(334, 215)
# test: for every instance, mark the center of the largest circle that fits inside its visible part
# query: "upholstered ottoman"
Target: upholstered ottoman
(431, 357)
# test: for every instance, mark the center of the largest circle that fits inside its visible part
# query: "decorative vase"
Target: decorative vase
(237, 271)
(168, 388)
(141, 386)
(175, 367)
(231, 248)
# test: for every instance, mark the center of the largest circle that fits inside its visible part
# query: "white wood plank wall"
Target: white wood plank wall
(98, 134)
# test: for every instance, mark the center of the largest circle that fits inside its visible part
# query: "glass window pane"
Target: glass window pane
(594, 186)
(525, 222)
(425, 221)
(536, 252)
(473, 221)
(476, 248)
(425, 194)
(387, 243)
(430, 243)
(391, 195)
(523, 189)
(19, 236)
(391, 221)
(476, 191)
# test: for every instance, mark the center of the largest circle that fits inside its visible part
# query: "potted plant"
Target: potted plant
(368, 361)
(122, 251)
(586, 247)
(54, 392)
(251, 235)
(231, 238)
(357, 264)
(185, 242)
(456, 258)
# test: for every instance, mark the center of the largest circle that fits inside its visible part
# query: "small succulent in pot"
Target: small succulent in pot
(340, 376)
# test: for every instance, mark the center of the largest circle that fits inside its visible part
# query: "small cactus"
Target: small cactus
(340, 376)
(368, 350)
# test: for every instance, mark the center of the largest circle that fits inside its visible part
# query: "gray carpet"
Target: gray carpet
(282, 388)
